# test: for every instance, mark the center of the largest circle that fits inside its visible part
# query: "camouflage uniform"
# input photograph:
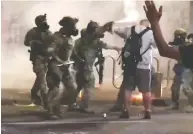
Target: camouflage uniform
(187, 87)
(88, 50)
(177, 81)
(61, 73)
(39, 41)
(187, 80)
(179, 40)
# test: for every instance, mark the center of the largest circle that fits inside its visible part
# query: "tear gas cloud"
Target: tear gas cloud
(16, 67)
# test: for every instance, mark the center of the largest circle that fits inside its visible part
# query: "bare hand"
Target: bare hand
(153, 15)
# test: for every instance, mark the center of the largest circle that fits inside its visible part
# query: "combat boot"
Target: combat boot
(57, 111)
(44, 99)
(147, 115)
(53, 112)
(124, 114)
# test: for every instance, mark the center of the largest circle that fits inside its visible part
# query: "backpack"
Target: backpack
(131, 51)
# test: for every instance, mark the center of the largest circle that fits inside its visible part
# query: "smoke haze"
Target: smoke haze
(18, 18)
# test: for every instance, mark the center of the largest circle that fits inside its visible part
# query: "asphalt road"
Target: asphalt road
(163, 121)
(31, 120)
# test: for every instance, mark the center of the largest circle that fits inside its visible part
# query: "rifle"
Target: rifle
(100, 62)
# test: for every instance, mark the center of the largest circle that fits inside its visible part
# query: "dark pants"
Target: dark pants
(40, 84)
(60, 74)
(175, 89)
(85, 81)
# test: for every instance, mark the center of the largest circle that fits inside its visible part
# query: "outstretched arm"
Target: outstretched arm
(154, 16)
(106, 46)
(122, 32)
(183, 53)
(114, 48)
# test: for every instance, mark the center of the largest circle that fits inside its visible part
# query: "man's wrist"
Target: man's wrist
(154, 23)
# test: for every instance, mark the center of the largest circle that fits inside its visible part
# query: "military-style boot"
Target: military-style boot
(53, 112)
(57, 111)
(147, 115)
(35, 98)
(124, 114)
(44, 99)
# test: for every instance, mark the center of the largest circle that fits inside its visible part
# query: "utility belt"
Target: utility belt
(34, 55)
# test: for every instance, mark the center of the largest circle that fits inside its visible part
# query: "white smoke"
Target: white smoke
(130, 11)
(16, 67)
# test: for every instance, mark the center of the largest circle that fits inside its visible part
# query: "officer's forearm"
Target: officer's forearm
(120, 34)
(113, 48)
(57, 58)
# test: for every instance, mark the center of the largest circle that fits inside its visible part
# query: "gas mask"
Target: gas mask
(44, 25)
(94, 30)
(179, 40)
(69, 32)
(69, 26)
(74, 32)
(41, 22)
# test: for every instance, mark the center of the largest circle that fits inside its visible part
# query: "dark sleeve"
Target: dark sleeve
(186, 53)
(102, 44)
(29, 37)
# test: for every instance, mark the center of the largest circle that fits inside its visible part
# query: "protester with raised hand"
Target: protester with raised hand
(183, 53)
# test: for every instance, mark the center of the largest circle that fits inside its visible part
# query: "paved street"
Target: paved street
(163, 122)
(31, 120)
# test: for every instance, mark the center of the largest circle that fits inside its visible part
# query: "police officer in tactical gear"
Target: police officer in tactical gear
(86, 48)
(38, 39)
(59, 66)
(179, 37)
(79, 65)
(179, 40)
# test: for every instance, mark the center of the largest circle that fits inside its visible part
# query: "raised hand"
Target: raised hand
(153, 15)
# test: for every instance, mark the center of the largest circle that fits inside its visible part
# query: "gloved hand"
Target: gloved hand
(108, 26)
